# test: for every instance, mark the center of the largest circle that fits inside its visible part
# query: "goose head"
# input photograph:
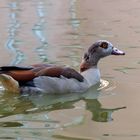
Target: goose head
(98, 50)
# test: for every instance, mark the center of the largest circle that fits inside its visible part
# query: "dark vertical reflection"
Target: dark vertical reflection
(39, 31)
(13, 28)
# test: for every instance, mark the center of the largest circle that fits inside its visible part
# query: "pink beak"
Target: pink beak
(116, 51)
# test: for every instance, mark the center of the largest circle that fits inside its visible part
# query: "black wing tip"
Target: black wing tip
(8, 68)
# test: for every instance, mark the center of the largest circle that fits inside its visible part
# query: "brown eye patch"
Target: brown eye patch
(104, 45)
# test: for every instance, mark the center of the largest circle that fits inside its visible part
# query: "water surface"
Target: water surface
(57, 31)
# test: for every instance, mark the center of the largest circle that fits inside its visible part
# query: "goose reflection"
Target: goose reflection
(26, 104)
(90, 98)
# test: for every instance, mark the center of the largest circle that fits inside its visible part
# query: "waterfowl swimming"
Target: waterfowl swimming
(49, 78)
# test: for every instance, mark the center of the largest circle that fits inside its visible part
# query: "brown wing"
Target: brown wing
(58, 71)
(71, 73)
(27, 74)
(50, 71)
(22, 75)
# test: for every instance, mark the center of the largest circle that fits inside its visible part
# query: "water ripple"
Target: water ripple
(12, 43)
(74, 20)
(75, 23)
(39, 31)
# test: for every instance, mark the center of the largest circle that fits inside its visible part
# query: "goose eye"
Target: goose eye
(104, 45)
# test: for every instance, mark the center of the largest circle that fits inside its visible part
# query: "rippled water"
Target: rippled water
(55, 31)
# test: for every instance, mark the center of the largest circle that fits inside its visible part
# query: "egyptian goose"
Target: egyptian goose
(49, 78)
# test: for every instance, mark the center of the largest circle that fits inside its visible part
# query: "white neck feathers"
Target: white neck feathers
(92, 75)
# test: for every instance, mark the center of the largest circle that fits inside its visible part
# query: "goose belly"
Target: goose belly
(60, 85)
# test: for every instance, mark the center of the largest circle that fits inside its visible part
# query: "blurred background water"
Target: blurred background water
(59, 31)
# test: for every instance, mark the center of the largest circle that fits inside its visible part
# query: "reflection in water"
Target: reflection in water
(125, 69)
(10, 124)
(100, 114)
(11, 105)
(39, 31)
(12, 41)
(29, 112)
(75, 22)
(74, 34)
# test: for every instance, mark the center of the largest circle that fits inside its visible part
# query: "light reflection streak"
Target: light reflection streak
(39, 31)
(74, 20)
(75, 23)
(12, 43)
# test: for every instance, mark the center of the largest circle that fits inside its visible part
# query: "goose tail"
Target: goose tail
(10, 85)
